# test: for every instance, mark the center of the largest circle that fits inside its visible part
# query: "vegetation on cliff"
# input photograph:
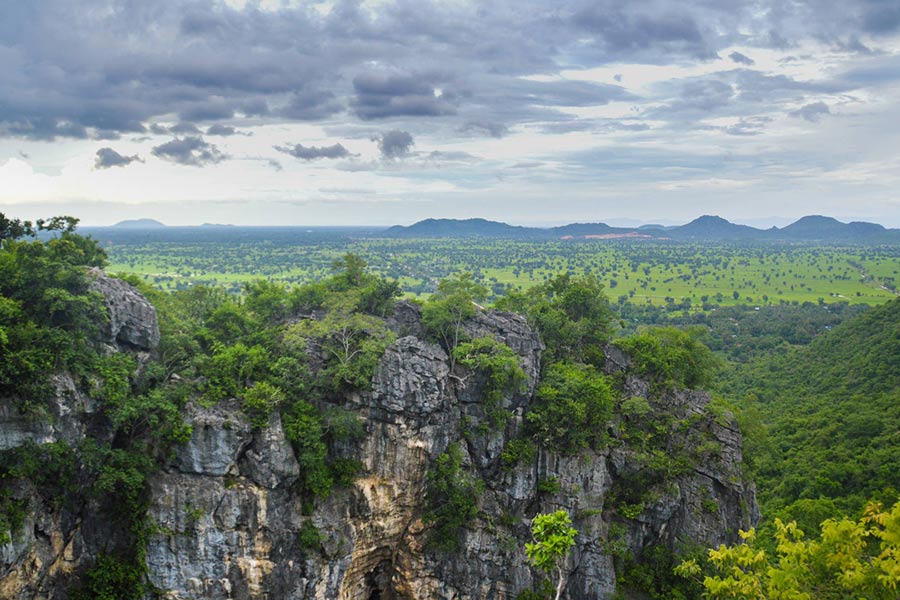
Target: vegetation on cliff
(823, 418)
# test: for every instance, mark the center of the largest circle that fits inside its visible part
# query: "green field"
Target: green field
(654, 273)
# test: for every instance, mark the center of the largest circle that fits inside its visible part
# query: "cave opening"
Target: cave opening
(378, 582)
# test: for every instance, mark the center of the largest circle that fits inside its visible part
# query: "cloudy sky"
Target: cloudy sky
(388, 111)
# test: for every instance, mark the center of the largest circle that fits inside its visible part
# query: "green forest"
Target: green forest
(800, 343)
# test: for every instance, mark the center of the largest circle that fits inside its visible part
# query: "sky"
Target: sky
(377, 112)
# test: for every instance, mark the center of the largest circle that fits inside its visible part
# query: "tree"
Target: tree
(502, 370)
(851, 559)
(350, 342)
(448, 309)
(671, 356)
(572, 408)
(572, 314)
(554, 537)
(451, 499)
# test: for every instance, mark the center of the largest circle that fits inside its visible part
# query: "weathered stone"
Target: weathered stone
(270, 461)
(132, 319)
(412, 380)
(219, 436)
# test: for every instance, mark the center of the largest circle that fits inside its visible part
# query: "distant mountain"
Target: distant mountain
(587, 229)
(139, 224)
(817, 227)
(459, 228)
(711, 227)
(707, 227)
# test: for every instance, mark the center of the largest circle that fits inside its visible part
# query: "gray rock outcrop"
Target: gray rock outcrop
(228, 521)
(132, 319)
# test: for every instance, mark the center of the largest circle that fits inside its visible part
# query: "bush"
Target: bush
(573, 406)
(671, 356)
(451, 499)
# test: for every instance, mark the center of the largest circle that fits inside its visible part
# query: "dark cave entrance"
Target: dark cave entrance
(378, 582)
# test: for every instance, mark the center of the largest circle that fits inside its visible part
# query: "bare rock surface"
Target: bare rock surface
(132, 319)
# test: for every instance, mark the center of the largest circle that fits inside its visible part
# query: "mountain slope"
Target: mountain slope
(832, 410)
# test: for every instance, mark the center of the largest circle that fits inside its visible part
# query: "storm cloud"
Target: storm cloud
(394, 144)
(119, 68)
(314, 152)
(742, 59)
(107, 157)
(197, 82)
(190, 151)
(812, 112)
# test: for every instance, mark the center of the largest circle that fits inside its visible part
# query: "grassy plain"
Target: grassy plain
(644, 272)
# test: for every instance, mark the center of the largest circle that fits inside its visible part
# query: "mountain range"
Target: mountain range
(707, 227)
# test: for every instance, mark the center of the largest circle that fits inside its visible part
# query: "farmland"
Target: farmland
(682, 275)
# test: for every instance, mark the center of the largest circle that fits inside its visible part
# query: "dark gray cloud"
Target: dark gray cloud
(190, 151)
(107, 157)
(221, 130)
(311, 105)
(744, 93)
(883, 17)
(812, 112)
(124, 66)
(181, 128)
(394, 144)
(382, 95)
(184, 128)
(749, 126)
(620, 30)
(314, 152)
(484, 128)
(741, 59)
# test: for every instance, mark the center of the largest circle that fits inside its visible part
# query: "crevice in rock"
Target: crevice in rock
(378, 582)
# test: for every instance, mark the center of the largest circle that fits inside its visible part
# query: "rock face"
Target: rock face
(132, 319)
(55, 541)
(229, 523)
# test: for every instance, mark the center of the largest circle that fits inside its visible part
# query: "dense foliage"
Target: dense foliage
(451, 499)
(849, 559)
(572, 408)
(830, 414)
(671, 356)
(51, 322)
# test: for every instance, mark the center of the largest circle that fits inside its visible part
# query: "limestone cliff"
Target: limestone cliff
(228, 522)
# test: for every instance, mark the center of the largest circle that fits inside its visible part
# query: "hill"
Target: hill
(832, 411)
(817, 227)
(139, 224)
(459, 228)
(707, 227)
(712, 227)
